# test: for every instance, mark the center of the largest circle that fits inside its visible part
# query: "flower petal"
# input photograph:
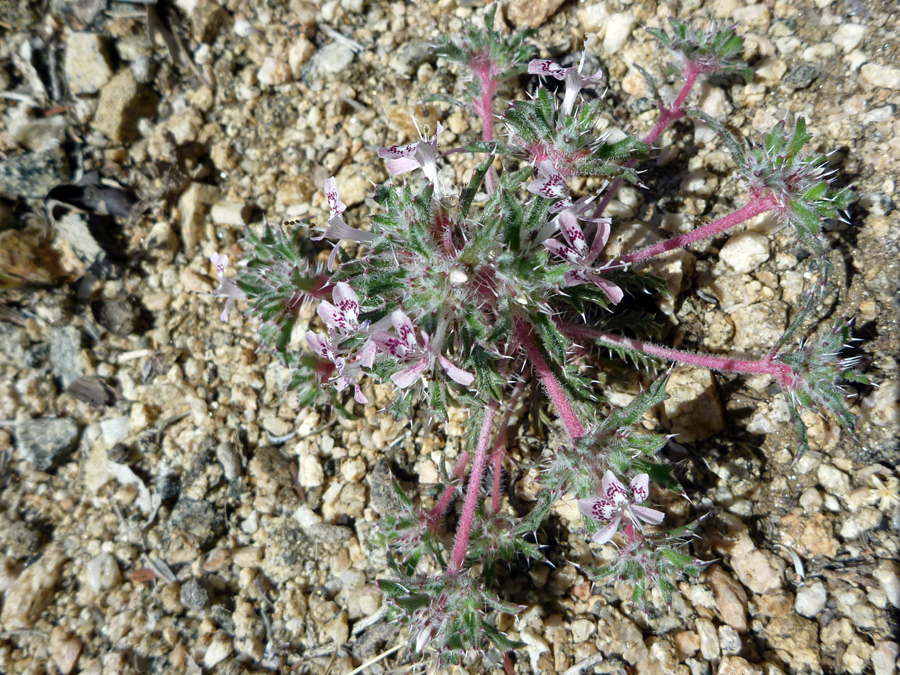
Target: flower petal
(651, 516)
(597, 509)
(608, 532)
(640, 488)
(571, 230)
(406, 332)
(402, 165)
(347, 301)
(547, 68)
(334, 201)
(456, 373)
(551, 185)
(390, 344)
(601, 236)
(569, 255)
(398, 151)
(612, 489)
(411, 375)
(613, 292)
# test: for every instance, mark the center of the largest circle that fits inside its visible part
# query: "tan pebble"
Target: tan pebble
(219, 649)
(32, 590)
(731, 599)
(687, 642)
(65, 649)
(247, 556)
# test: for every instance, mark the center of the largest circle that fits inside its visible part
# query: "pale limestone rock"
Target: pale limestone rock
(745, 251)
(87, 63)
(618, 29)
(27, 597)
(694, 410)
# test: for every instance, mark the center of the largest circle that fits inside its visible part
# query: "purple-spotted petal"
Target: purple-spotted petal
(397, 151)
(569, 255)
(320, 345)
(551, 185)
(366, 357)
(640, 488)
(456, 373)
(651, 516)
(613, 292)
(390, 344)
(612, 489)
(411, 375)
(608, 532)
(597, 509)
(600, 239)
(358, 396)
(571, 230)
(406, 332)
(220, 260)
(334, 201)
(347, 301)
(547, 68)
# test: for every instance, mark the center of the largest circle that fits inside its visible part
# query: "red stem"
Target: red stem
(781, 372)
(756, 206)
(464, 530)
(433, 517)
(555, 391)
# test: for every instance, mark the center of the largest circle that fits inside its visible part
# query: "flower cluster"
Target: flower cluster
(464, 296)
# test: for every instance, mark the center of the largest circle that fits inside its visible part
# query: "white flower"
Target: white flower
(227, 288)
(616, 501)
(343, 315)
(337, 228)
(575, 81)
(422, 154)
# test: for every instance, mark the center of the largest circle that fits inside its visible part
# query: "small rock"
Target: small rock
(693, 409)
(119, 316)
(709, 639)
(123, 101)
(810, 600)
(737, 665)
(26, 255)
(193, 527)
(770, 71)
(195, 203)
(809, 535)
(218, 650)
(754, 17)
(582, 630)
(247, 556)
(332, 59)
(618, 30)
(337, 630)
(533, 13)
(409, 57)
(535, 645)
(620, 636)
(796, 642)
(310, 472)
(801, 76)
(194, 594)
(31, 592)
(65, 649)
(87, 64)
(274, 72)
(230, 213)
(887, 575)
(884, 657)
(229, 459)
(103, 573)
(848, 36)
(731, 599)
(45, 441)
(833, 480)
(881, 76)
(855, 524)
(287, 548)
(745, 251)
(207, 20)
(729, 640)
(299, 55)
(759, 325)
(593, 17)
(33, 174)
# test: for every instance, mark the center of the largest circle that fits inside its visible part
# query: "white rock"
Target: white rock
(306, 517)
(833, 479)
(811, 500)
(810, 600)
(848, 36)
(709, 639)
(299, 55)
(536, 645)
(114, 430)
(884, 658)
(886, 573)
(219, 649)
(593, 18)
(820, 52)
(87, 63)
(618, 28)
(274, 72)
(103, 573)
(333, 58)
(310, 472)
(729, 640)
(582, 629)
(881, 76)
(745, 251)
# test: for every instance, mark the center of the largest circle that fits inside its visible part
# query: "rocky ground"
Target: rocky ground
(166, 507)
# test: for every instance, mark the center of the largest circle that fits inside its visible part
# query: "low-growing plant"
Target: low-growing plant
(460, 297)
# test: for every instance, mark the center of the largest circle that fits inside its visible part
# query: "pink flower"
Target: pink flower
(406, 348)
(227, 288)
(337, 228)
(551, 185)
(616, 501)
(580, 258)
(575, 81)
(347, 371)
(419, 155)
(343, 315)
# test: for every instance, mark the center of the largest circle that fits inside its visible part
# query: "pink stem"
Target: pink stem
(666, 117)
(485, 108)
(433, 518)
(557, 395)
(781, 372)
(461, 545)
(756, 206)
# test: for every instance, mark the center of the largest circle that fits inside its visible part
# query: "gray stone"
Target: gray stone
(287, 547)
(45, 441)
(331, 60)
(801, 76)
(409, 57)
(65, 346)
(729, 640)
(32, 175)
(193, 527)
(195, 594)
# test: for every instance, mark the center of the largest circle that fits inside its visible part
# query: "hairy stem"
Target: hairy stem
(548, 379)
(433, 517)
(666, 117)
(754, 207)
(461, 545)
(767, 366)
